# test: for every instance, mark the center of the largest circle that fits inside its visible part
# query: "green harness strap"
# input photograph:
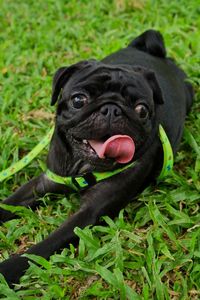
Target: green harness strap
(79, 181)
(28, 158)
(168, 156)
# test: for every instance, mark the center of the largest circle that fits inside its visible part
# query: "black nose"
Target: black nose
(111, 111)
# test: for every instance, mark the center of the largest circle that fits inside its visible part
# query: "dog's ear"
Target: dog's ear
(153, 83)
(61, 77)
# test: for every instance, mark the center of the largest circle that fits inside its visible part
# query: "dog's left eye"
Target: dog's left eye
(142, 111)
(79, 100)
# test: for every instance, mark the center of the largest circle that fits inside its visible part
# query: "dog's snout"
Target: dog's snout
(111, 111)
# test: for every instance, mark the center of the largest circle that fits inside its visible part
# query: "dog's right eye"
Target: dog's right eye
(79, 100)
(142, 111)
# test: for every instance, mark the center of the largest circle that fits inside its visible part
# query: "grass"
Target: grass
(152, 250)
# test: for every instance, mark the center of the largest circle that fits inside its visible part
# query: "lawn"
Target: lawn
(152, 250)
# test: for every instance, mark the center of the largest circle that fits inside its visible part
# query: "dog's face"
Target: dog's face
(105, 113)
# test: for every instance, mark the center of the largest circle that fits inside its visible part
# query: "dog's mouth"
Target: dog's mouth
(121, 148)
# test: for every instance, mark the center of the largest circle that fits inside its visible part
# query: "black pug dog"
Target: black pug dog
(108, 117)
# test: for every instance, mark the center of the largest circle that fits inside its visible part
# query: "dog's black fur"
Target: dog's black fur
(129, 92)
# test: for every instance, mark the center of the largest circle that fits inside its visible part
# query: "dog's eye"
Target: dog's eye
(142, 111)
(79, 100)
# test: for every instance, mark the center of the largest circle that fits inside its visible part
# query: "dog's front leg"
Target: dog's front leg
(105, 198)
(28, 194)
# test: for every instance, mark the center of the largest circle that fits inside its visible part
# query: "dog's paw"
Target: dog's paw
(13, 268)
(5, 215)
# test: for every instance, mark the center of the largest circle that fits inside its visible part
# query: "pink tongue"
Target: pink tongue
(120, 147)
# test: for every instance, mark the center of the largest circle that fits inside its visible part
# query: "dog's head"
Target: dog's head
(105, 113)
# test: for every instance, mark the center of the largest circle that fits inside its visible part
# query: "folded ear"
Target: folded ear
(61, 77)
(153, 83)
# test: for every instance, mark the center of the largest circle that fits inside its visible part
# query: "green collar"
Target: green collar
(79, 182)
